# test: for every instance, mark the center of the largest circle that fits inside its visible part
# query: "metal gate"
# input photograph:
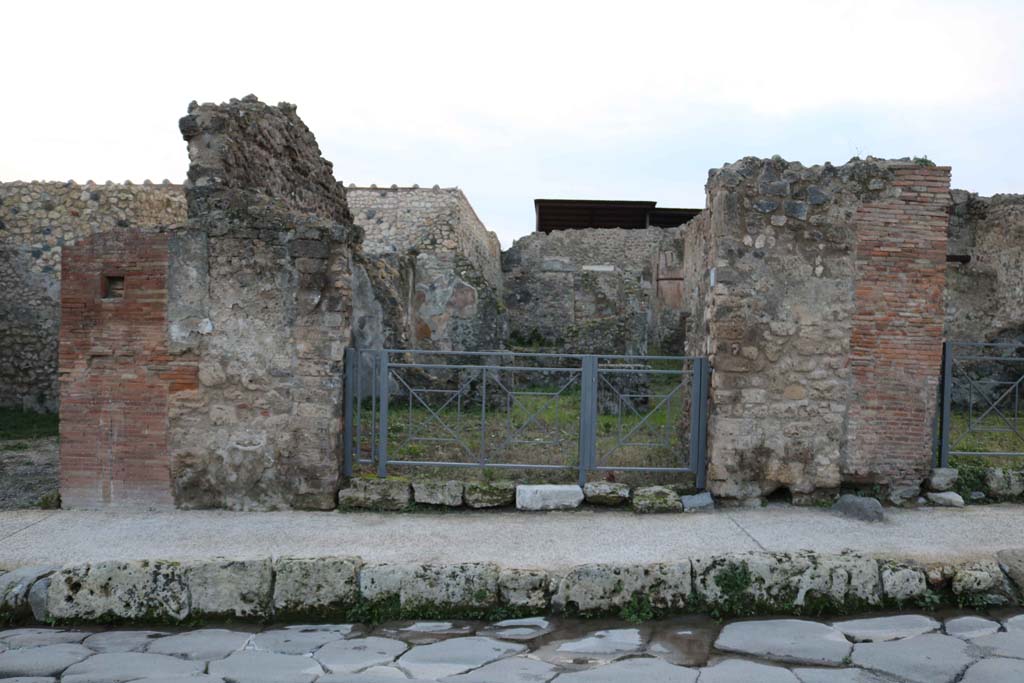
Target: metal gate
(981, 400)
(542, 411)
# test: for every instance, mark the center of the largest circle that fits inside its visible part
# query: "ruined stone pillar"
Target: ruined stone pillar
(822, 314)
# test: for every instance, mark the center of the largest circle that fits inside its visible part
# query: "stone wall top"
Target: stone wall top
(425, 220)
(631, 251)
(43, 216)
(243, 150)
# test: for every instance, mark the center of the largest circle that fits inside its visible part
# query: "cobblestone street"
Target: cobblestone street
(901, 648)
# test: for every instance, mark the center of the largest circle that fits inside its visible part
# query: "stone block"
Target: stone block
(392, 493)
(656, 499)
(668, 585)
(447, 493)
(548, 496)
(469, 585)
(901, 495)
(382, 581)
(700, 502)
(150, 590)
(895, 627)
(15, 587)
(901, 583)
(946, 499)
(1011, 561)
(1004, 483)
(780, 580)
(524, 588)
(931, 657)
(490, 494)
(942, 479)
(37, 600)
(786, 640)
(605, 493)
(315, 585)
(597, 588)
(983, 582)
(859, 507)
(226, 588)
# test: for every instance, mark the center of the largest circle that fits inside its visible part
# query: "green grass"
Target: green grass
(19, 424)
(991, 435)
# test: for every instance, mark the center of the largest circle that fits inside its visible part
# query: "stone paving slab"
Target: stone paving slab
(759, 651)
(555, 539)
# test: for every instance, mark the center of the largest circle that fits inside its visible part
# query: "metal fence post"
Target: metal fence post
(483, 418)
(384, 390)
(702, 423)
(588, 417)
(350, 372)
(696, 375)
(947, 395)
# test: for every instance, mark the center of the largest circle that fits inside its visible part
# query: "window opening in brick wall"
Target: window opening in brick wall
(113, 286)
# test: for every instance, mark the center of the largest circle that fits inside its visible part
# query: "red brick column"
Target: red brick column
(116, 373)
(896, 344)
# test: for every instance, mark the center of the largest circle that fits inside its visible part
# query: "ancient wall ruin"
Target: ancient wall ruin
(984, 294)
(261, 302)
(37, 219)
(254, 322)
(593, 290)
(29, 321)
(823, 323)
(454, 270)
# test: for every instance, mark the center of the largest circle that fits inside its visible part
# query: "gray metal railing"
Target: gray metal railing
(541, 411)
(981, 400)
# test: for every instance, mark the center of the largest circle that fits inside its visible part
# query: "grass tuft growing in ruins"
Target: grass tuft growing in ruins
(18, 424)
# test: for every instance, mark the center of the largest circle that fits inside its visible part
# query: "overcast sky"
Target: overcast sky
(516, 100)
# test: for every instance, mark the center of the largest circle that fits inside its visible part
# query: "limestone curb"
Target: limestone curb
(289, 588)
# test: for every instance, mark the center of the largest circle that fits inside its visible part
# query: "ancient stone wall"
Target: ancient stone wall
(591, 290)
(456, 272)
(29, 323)
(116, 373)
(819, 274)
(984, 296)
(37, 219)
(260, 299)
(698, 249)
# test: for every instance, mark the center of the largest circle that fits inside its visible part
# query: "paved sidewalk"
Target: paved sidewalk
(512, 539)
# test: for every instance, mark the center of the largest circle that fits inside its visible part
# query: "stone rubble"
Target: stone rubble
(700, 502)
(656, 499)
(446, 493)
(606, 493)
(946, 499)
(943, 479)
(484, 494)
(859, 507)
